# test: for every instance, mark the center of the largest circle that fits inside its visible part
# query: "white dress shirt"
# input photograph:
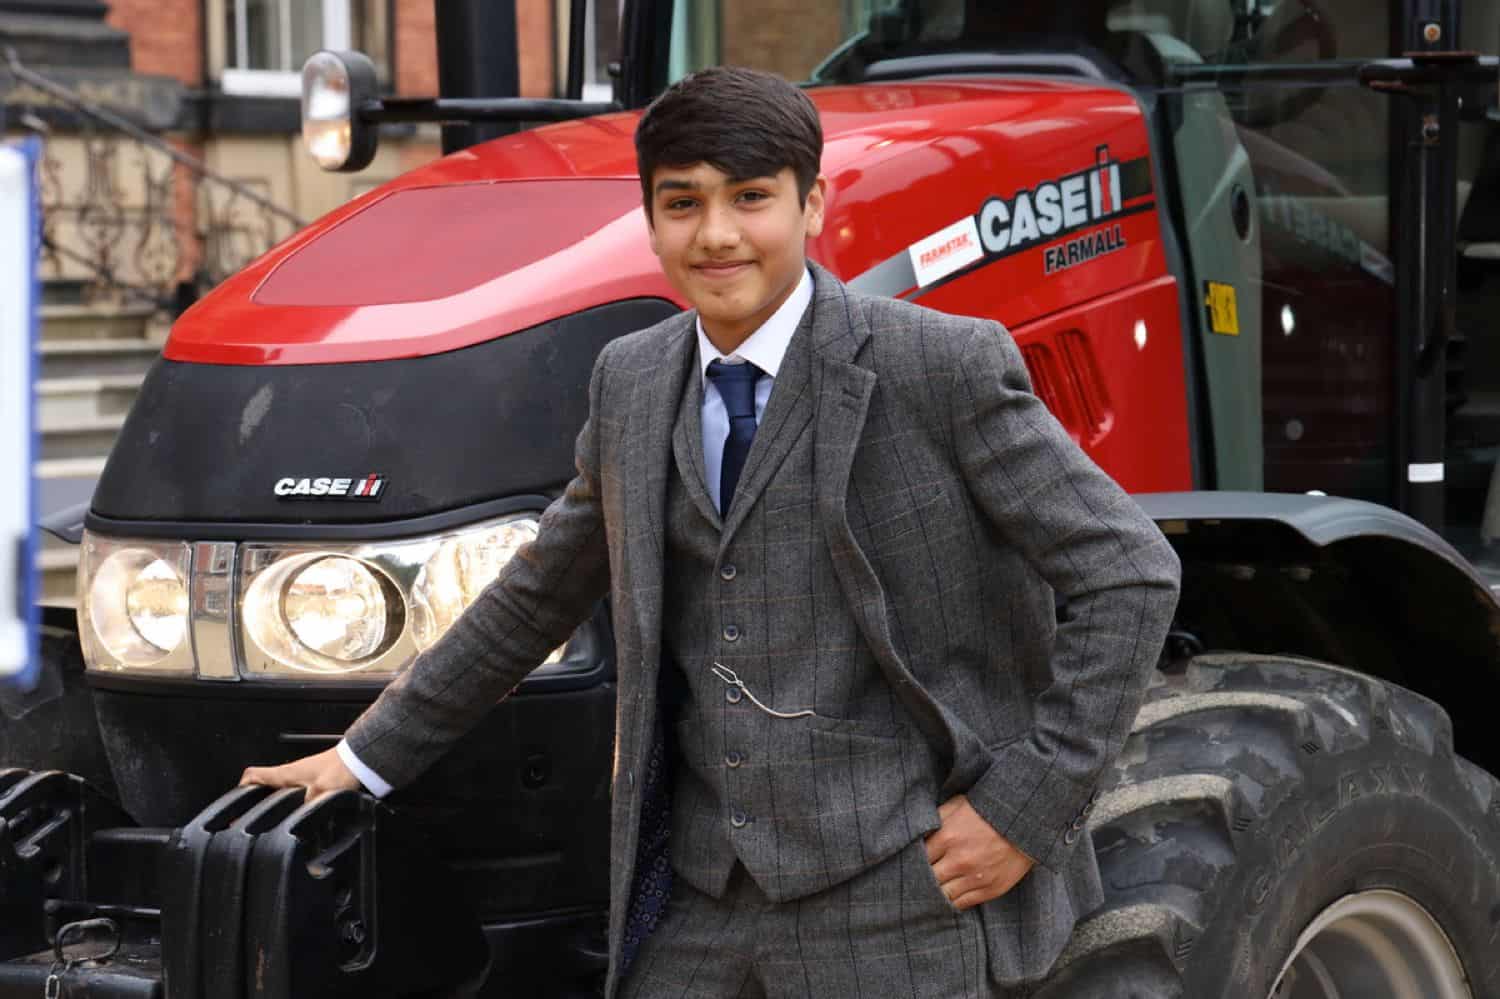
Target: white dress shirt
(765, 348)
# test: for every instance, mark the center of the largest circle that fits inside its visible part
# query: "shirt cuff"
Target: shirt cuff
(369, 778)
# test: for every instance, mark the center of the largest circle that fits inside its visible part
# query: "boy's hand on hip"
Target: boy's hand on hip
(319, 774)
(973, 863)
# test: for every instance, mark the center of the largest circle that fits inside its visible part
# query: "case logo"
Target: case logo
(368, 488)
(1053, 208)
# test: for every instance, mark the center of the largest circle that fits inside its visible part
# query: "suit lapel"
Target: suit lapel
(788, 413)
(841, 392)
(687, 445)
(652, 416)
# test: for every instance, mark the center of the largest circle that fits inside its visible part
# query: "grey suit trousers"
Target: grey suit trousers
(887, 933)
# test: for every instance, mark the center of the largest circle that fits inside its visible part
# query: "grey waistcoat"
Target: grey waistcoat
(802, 802)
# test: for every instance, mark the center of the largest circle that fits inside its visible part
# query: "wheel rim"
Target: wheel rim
(1377, 944)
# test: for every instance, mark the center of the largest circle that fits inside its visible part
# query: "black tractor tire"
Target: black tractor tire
(1254, 792)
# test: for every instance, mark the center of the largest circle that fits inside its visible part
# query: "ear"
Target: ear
(812, 212)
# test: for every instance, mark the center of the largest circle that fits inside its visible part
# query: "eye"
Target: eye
(680, 204)
(753, 196)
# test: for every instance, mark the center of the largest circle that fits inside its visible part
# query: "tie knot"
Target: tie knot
(736, 384)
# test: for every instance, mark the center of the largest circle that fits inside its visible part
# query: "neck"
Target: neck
(725, 341)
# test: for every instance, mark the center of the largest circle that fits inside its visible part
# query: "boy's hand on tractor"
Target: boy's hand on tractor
(972, 862)
(320, 774)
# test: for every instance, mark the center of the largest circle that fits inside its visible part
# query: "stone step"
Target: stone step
(95, 358)
(64, 401)
(83, 438)
(96, 322)
(85, 471)
(57, 567)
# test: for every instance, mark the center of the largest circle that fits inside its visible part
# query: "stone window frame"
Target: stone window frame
(337, 33)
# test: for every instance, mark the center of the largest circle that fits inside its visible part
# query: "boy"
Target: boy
(856, 741)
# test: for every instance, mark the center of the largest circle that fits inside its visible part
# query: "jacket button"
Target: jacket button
(737, 819)
(630, 778)
(733, 695)
(1071, 836)
(731, 633)
(728, 572)
(733, 759)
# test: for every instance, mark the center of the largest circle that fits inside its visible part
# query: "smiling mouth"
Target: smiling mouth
(720, 268)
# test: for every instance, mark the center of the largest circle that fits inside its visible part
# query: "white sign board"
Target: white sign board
(18, 305)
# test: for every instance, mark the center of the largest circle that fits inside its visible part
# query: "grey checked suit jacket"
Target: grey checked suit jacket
(982, 449)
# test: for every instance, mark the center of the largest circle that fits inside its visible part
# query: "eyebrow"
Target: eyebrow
(688, 185)
(675, 185)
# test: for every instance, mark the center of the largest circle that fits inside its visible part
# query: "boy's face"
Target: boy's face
(734, 248)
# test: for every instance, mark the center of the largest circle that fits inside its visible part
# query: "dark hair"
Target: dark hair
(741, 121)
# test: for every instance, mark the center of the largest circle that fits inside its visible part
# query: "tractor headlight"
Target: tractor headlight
(133, 605)
(370, 608)
(317, 612)
(458, 571)
(222, 610)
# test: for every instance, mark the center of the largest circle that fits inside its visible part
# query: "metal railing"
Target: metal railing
(130, 215)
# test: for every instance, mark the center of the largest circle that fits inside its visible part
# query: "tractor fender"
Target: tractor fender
(1342, 581)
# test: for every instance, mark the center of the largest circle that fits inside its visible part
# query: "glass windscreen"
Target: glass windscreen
(844, 40)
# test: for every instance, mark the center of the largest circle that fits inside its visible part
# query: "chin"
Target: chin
(724, 310)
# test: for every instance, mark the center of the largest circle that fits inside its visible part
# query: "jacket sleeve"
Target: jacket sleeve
(1115, 575)
(535, 603)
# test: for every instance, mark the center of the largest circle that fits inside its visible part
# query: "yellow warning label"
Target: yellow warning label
(1223, 310)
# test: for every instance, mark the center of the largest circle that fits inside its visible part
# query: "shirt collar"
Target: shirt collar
(766, 347)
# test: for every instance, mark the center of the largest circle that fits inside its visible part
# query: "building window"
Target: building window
(258, 46)
(601, 46)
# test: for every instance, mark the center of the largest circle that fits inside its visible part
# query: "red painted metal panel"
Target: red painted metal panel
(450, 239)
(903, 161)
(1127, 403)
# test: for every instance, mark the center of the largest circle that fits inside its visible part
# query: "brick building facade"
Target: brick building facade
(219, 81)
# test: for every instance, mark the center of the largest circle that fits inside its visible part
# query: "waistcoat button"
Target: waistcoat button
(733, 759)
(731, 633)
(733, 695)
(737, 818)
(728, 572)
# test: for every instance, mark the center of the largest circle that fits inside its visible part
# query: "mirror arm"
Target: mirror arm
(467, 109)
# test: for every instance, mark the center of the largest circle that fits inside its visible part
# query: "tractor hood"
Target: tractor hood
(437, 334)
(523, 230)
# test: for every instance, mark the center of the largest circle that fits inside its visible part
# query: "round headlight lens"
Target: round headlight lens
(458, 571)
(157, 605)
(336, 607)
(317, 612)
(138, 606)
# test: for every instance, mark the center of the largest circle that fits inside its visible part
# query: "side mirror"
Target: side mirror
(335, 85)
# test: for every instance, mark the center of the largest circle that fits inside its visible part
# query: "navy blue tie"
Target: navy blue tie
(736, 385)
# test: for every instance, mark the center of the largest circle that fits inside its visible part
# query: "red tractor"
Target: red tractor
(1249, 250)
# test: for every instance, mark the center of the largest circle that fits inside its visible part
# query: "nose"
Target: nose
(718, 231)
